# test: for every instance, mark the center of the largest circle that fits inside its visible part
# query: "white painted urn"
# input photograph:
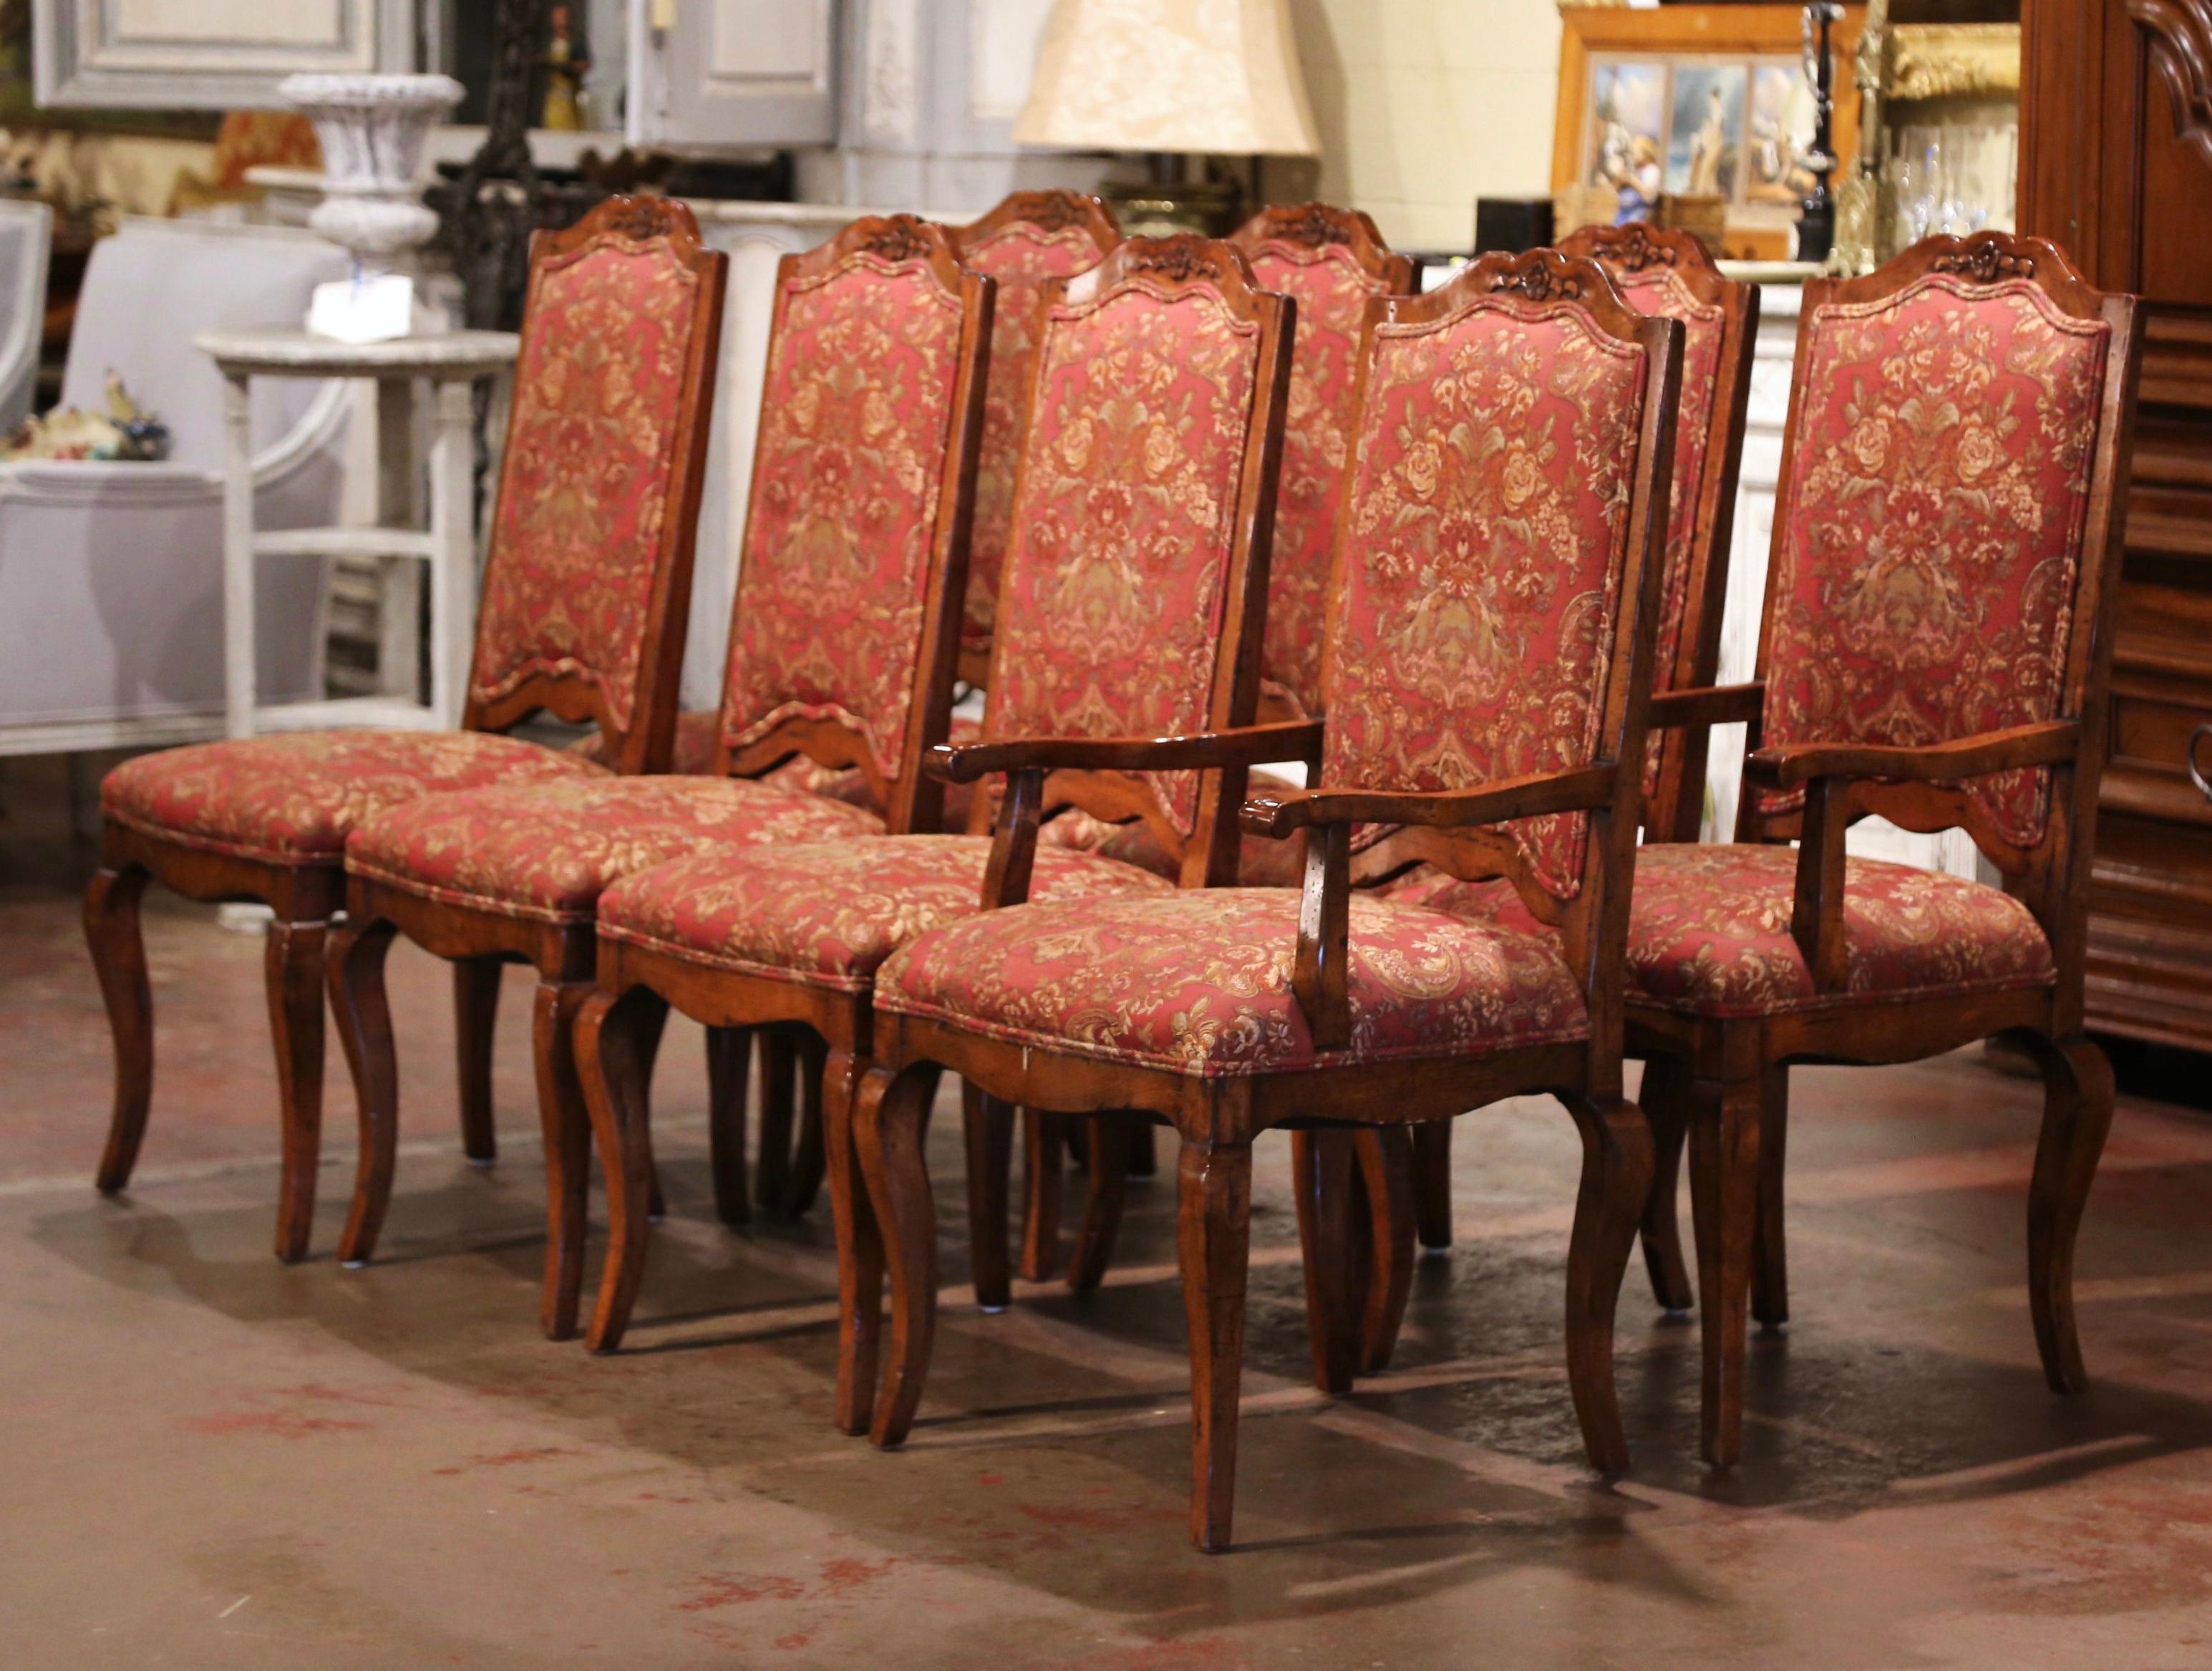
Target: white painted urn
(373, 130)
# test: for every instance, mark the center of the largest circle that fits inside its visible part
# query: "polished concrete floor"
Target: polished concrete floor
(212, 1460)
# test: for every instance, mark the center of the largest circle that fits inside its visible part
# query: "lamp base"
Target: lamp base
(1151, 208)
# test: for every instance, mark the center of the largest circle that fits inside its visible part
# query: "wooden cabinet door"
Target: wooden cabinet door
(207, 54)
(721, 73)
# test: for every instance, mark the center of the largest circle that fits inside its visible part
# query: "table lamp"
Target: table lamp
(1173, 79)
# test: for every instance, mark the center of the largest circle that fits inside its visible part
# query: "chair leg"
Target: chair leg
(1387, 1161)
(859, 1249)
(2077, 1112)
(1770, 1263)
(1322, 1180)
(779, 1053)
(111, 933)
(1431, 1181)
(567, 1121)
(807, 1156)
(888, 1120)
(1724, 1132)
(650, 1030)
(609, 1034)
(1663, 1095)
(987, 1126)
(729, 1060)
(1042, 1136)
(476, 1011)
(292, 972)
(1616, 1181)
(1214, 1233)
(355, 975)
(1106, 1193)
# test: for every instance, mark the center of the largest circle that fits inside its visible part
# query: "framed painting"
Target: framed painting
(1697, 101)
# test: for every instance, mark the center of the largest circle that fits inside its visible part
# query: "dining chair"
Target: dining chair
(1486, 678)
(609, 408)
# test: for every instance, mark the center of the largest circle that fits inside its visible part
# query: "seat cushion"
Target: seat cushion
(293, 798)
(1199, 983)
(828, 914)
(548, 851)
(1708, 931)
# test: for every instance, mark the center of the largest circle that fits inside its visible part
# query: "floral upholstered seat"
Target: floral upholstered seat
(829, 914)
(1708, 931)
(293, 798)
(547, 850)
(1199, 983)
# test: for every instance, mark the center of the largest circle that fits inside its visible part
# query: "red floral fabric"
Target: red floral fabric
(1708, 931)
(1332, 290)
(1260, 862)
(1488, 519)
(584, 482)
(855, 422)
(1021, 256)
(1660, 291)
(1109, 613)
(1924, 575)
(548, 851)
(1199, 983)
(828, 914)
(697, 730)
(292, 798)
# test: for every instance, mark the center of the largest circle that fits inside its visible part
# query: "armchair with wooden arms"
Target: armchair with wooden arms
(1485, 675)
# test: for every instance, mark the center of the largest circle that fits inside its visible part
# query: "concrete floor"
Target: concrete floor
(214, 1461)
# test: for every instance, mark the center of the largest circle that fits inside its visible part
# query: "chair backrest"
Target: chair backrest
(1029, 239)
(1331, 262)
(26, 231)
(152, 286)
(1135, 587)
(1498, 564)
(1946, 539)
(846, 626)
(588, 572)
(1668, 273)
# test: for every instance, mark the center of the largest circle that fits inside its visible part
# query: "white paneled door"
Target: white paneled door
(208, 54)
(712, 73)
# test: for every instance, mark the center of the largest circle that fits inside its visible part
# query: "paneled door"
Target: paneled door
(207, 54)
(710, 74)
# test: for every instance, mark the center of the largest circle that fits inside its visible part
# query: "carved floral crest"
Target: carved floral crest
(1986, 261)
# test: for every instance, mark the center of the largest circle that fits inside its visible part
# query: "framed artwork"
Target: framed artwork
(1707, 102)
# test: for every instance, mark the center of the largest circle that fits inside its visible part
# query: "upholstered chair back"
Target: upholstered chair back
(855, 547)
(1506, 497)
(587, 579)
(1332, 262)
(1029, 239)
(1668, 273)
(1942, 535)
(1135, 582)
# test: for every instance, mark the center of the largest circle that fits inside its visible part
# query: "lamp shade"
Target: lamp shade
(1219, 76)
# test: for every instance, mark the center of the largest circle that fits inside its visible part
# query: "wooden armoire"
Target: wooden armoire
(2116, 164)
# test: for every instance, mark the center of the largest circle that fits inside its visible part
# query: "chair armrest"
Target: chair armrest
(1708, 705)
(1276, 813)
(1788, 766)
(1249, 745)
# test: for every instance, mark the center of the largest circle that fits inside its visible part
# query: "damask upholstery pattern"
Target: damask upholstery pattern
(546, 852)
(1199, 983)
(1022, 257)
(1708, 931)
(1925, 574)
(1332, 290)
(828, 914)
(1488, 516)
(292, 798)
(1110, 609)
(856, 418)
(1660, 291)
(1260, 862)
(585, 480)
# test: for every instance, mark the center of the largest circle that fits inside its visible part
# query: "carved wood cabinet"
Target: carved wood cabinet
(2115, 163)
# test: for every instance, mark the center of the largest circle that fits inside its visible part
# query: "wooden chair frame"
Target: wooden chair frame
(636, 984)
(1218, 1119)
(1725, 1082)
(564, 954)
(306, 895)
